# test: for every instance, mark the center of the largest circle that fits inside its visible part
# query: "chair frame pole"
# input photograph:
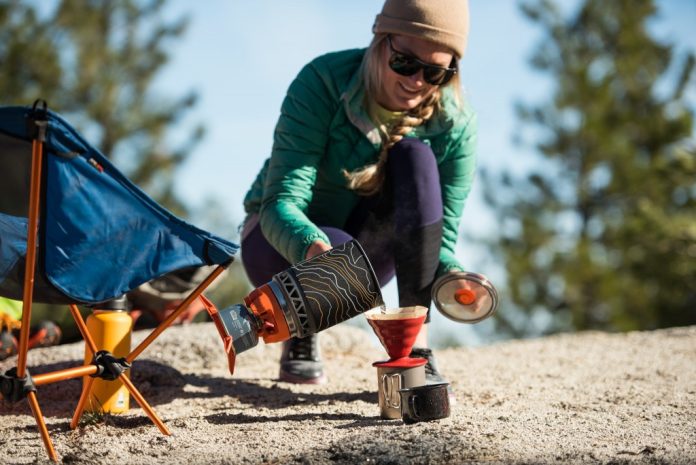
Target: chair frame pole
(144, 405)
(84, 396)
(171, 318)
(88, 381)
(63, 375)
(29, 273)
(41, 424)
(30, 260)
(82, 326)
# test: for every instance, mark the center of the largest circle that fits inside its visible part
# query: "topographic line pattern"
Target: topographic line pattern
(337, 285)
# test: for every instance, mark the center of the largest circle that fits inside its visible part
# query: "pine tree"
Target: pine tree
(601, 232)
(95, 62)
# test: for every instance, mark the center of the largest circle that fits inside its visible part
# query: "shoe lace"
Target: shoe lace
(304, 349)
(430, 369)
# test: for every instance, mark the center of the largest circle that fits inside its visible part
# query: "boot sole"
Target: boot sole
(294, 379)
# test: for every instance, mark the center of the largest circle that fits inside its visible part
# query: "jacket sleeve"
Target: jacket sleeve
(457, 172)
(299, 144)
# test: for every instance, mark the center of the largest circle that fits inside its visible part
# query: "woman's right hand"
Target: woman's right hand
(316, 248)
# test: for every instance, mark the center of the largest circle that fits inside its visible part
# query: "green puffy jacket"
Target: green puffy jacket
(322, 130)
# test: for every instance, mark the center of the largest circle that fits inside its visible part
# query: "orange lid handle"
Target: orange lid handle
(465, 296)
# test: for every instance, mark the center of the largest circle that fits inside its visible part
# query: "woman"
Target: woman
(373, 144)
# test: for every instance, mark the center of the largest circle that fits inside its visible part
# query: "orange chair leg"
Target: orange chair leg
(41, 424)
(91, 346)
(87, 381)
(29, 272)
(84, 397)
(170, 319)
(143, 403)
(30, 260)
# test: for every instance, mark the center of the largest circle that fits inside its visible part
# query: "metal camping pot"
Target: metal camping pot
(465, 297)
(425, 403)
(391, 379)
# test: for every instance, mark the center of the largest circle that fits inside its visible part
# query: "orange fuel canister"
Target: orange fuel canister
(111, 326)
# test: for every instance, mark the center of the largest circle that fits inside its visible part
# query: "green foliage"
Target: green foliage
(95, 61)
(93, 417)
(601, 233)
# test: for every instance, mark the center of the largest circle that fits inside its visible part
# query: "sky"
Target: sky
(241, 56)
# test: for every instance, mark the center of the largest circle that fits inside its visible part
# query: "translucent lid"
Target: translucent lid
(465, 297)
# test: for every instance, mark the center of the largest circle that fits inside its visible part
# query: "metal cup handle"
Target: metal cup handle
(392, 401)
(412, 406)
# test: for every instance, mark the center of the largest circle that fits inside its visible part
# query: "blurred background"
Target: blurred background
(584, 210)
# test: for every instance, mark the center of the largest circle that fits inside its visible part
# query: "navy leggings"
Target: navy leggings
(400, 228)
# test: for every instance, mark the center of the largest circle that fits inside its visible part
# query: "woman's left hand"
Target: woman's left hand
(316, 248)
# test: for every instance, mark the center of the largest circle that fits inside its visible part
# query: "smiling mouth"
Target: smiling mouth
(409, 91)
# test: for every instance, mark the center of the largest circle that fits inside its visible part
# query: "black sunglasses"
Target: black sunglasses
(408, 65)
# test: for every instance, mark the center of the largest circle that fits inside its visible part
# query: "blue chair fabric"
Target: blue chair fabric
(100, 236)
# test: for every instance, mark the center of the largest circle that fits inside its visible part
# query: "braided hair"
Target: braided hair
(369, 179)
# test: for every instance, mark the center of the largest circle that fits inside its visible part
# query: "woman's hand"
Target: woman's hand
(316, 248)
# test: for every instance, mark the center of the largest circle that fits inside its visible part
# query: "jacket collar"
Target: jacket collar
(354, 105)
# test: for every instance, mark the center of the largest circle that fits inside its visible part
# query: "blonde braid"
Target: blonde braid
(369, 179)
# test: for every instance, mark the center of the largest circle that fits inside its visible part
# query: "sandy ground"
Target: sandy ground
(583, 398)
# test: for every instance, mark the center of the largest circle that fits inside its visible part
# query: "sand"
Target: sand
(581, 398)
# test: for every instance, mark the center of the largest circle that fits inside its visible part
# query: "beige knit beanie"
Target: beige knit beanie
(444, 22)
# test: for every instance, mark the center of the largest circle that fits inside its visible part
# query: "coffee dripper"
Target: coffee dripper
(397, 330)
(464, 297)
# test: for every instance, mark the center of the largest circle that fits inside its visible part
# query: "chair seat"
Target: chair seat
(100, 236)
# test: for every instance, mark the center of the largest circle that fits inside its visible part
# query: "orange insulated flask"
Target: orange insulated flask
(110, 326)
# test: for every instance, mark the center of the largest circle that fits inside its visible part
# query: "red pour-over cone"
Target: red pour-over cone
(397, 330)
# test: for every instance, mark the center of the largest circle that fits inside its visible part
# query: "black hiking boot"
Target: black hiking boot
(8, 344)
(44, 334)
(301, 362)
(432, 374)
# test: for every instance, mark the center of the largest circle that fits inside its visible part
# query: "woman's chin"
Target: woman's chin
(411, 104)
(405, 103)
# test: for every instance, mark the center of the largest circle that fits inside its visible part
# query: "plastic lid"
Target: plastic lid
(465, 297)
(116, 304)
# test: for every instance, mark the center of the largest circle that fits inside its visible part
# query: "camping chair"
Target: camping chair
(75, 231)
